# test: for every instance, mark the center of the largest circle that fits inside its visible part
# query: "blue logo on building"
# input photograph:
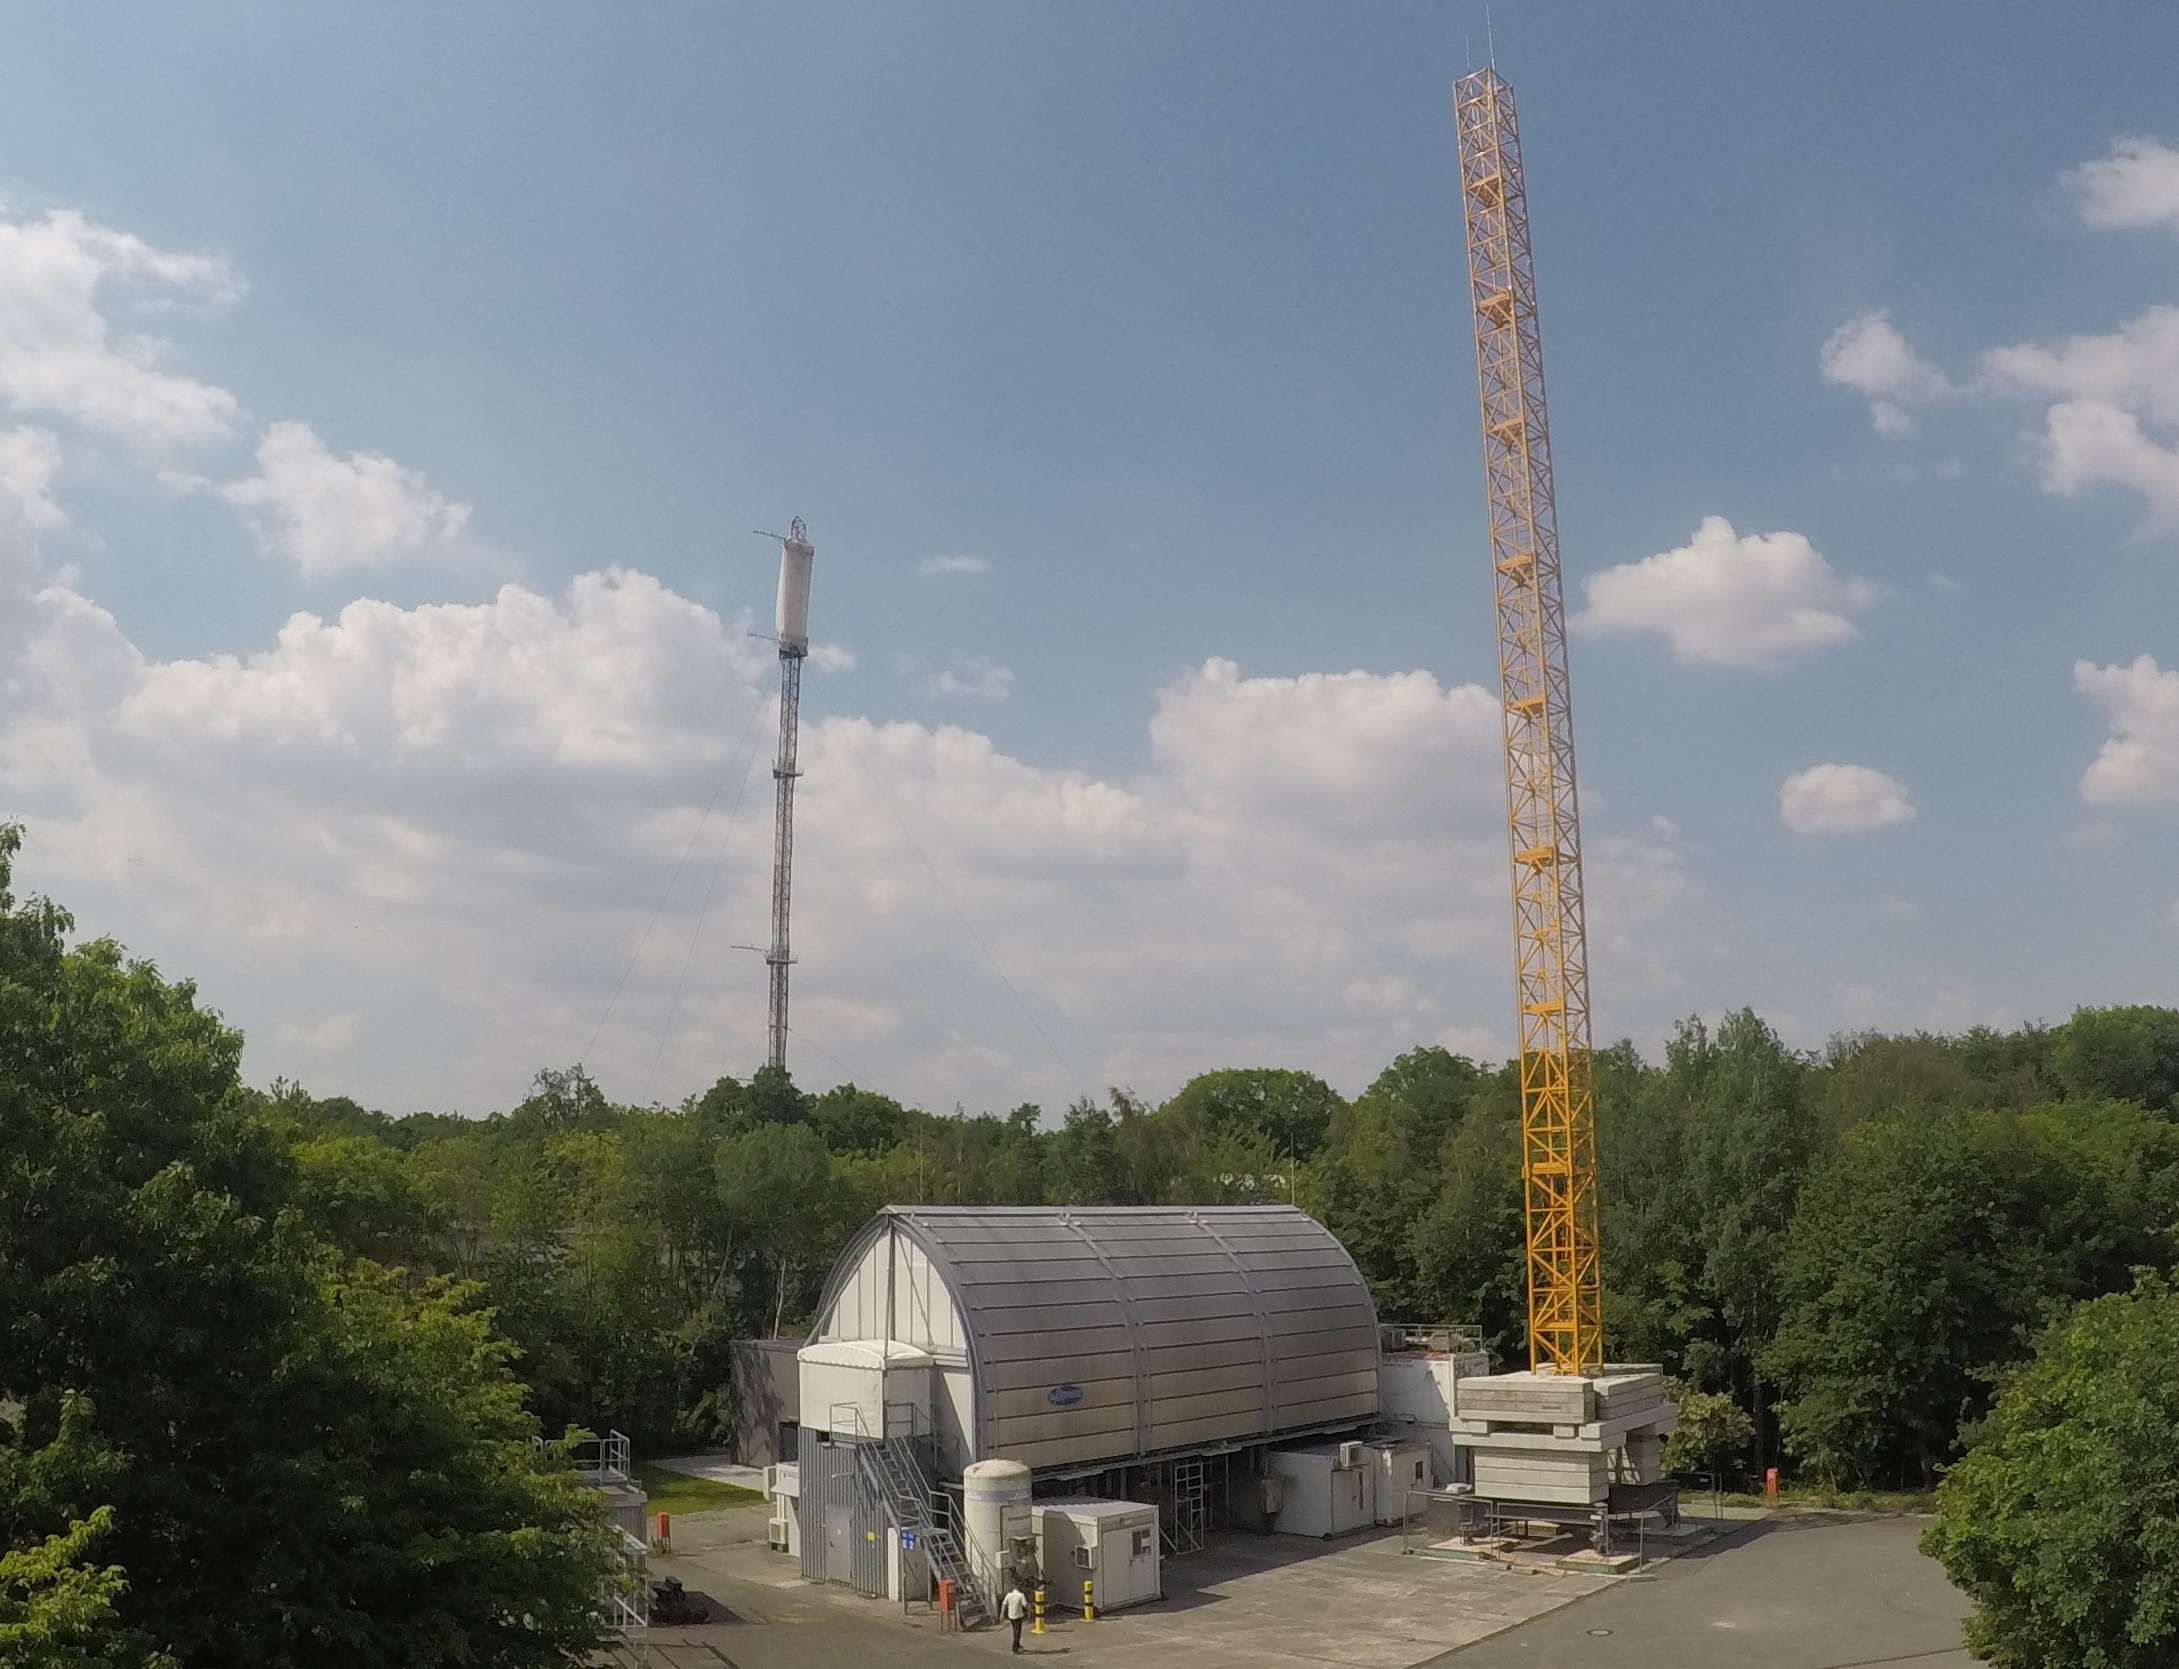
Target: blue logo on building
(1064, 1396)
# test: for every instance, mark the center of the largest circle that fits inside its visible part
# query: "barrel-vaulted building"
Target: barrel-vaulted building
(1054, 1343)
(1035, 1349)
(1076, 1337)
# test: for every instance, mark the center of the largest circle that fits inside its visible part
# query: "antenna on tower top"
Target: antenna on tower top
(792, 617)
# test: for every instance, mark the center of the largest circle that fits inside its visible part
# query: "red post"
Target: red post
(662, 1530)
(945, 1604)
(1770, 1486)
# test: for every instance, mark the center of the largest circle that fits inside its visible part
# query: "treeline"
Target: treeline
(1852, 1246)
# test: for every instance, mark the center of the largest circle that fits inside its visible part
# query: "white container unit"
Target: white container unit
(1112, 1545)
(1330, 1488)
(1403, 1464)
(865, 1388)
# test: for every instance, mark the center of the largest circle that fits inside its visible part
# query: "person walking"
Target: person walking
(1014, 1608)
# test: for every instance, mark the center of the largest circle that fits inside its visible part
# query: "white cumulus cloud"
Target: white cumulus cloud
(937, 567)
(2140, 762)
(2134, 368)
(457, 822)
(59, 351)
(2104, 387)
(1868, 355)
(2136, 185)
(976, 676)
(330, 1035)
(1730, 599)
(1842, 799)
(29, 460)
(328, 512)
(2113, 397)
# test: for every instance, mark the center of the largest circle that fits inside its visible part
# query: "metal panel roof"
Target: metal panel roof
(1107, 1331)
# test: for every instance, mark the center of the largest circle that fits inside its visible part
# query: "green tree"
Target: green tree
(1748, 1133)
(56, 1606)
(1928, 1251)
(855, 1120)
(306, 1463)
(777, 1187)
(1714, 1431)
(2125, 1054)
(1379, 1169)
(2062, 1521)
(1292, 1111)
(1469, 1246)
(1655, 1307)
(357, 1192)
(56, 1600)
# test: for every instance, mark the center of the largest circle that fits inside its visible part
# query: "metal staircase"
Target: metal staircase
(891, 1467)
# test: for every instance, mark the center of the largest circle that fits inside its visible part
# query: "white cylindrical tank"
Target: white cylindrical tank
(793, 614)
(994, 1511)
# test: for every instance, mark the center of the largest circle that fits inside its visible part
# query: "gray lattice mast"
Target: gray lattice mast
(793, 620)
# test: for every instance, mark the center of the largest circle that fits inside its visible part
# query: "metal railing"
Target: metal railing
(603, 1460)
(892, 1470)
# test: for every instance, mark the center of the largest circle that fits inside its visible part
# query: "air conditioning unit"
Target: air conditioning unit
(1085, 1558)
(775, 1535)
(1350, 1455)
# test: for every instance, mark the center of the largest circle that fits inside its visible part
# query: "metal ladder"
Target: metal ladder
(893, 1471)
(1190, 1506)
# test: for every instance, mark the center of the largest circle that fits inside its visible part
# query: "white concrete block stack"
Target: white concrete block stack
(1562, 1439)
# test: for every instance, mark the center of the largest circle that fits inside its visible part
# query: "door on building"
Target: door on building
(839, 1542)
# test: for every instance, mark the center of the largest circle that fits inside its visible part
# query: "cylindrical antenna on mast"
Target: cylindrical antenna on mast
(796, 555)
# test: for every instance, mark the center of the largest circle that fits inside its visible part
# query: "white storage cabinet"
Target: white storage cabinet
(1113, 1545)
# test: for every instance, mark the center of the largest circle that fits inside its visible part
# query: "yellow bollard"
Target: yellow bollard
(1037, 1626)
(1089, 1599)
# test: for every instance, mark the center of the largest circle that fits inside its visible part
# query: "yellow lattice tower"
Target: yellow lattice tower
(1558, 1122)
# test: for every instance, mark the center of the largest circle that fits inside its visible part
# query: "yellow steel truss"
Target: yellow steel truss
(1558, 1123)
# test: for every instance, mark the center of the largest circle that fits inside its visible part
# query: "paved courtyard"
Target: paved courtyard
(1799, 1592)
(1246, 1601)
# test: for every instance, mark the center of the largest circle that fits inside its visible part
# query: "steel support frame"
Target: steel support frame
(1558, 1124)
(780, 957)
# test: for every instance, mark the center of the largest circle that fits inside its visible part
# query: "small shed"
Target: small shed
(1111, 1545)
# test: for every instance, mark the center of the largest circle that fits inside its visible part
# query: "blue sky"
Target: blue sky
(1154, 313)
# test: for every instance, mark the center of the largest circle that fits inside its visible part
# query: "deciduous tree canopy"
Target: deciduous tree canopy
(2062, 1523)
(221, 1441)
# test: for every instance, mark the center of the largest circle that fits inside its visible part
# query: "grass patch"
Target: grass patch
(677, 1492)
(1817, 1495)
